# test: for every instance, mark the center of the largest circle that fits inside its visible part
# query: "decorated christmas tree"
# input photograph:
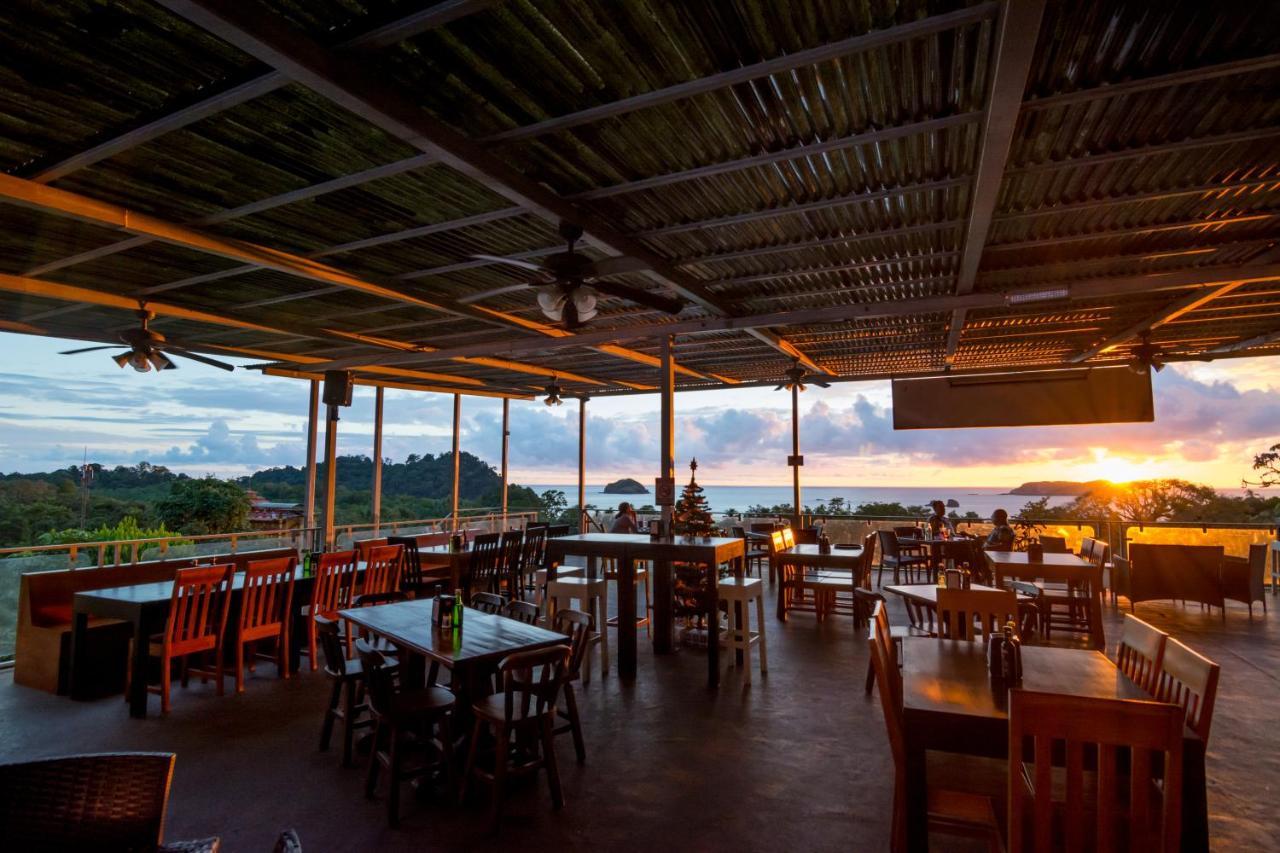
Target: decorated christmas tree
(692, 516)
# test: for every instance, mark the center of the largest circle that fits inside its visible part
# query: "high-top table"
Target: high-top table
(949, 705)
(838, 559)
(627, 549)
(1062, 568)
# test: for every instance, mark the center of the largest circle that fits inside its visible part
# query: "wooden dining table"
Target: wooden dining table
(146, 607)
(437, 559)
(627, 549)
(950, 704)
(838, 559)
(1059, 568)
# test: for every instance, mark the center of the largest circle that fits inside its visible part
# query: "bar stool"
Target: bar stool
(592, 594)
(610, 567)
(540, 581)
(741, 591)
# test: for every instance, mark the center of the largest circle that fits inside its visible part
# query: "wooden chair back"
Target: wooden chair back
(1053, 544)
(806, 536)
(777, 542)
(864, 605)
(510, 565)
(531, 681)
(788, 537)
(382, 570)
(889, 684)
(267, 598)
(522, 611)
(534, 555)
(577, 626)
(364, 546)
(379, 683)
(959, 609)
(1101, 551)
(868, 559)
(909, 532)
(486, 555)
(888, 544)
(488, 602)
(335, 658)
(198, 609)
(1086, 548)
(410, 562)
(555, 531)
(1051, 815)
(1190, 680)
(1141, 651)
(334, 583)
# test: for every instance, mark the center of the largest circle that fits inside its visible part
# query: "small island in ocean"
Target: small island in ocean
(1057, 488)
(625, 486)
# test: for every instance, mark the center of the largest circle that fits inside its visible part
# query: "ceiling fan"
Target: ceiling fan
(1147, 356)
(569, 282)
(796, 377)
(148, 349)
(555, 394)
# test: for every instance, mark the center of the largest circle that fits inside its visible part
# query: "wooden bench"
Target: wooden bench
(42, 656)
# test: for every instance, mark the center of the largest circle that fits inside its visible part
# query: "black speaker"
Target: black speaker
(337, 387)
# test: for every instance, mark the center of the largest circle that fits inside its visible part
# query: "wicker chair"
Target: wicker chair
(110, 801)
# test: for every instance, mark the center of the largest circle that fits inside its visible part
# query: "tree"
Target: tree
(1267, 464)
(692, 516)
(1146, 500)
(203, 506)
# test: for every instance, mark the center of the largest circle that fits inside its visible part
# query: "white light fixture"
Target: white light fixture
(1046, 295)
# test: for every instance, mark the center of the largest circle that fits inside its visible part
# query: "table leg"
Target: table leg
(1195, 808)
(626, 617)
(713, 628)
(663, 616)
(79, 629)
(782, 591)
(916, 807)
(138, 677)
(739, 609)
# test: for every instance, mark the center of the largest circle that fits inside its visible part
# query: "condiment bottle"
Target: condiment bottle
(457, 609)
(942, 579)
(995, 655)
(1012, 654)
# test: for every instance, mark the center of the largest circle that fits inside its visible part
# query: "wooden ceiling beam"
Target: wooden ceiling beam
(357, 88)
(1176, 147)
(1093, 288)
(403, 386)
(1152, 195)
(1167, 314)
(1017, 32)
(1181, 225)
(801, 245)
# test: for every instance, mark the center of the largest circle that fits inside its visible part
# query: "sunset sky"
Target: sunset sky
(1210, 419)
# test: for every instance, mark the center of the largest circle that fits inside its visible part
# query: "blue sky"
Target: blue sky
(1210, 419)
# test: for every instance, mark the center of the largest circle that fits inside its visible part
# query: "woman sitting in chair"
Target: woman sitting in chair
(1001, 536)
(939, 522)
(626, 520)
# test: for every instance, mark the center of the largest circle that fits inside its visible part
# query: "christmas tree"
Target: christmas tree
(692, 516)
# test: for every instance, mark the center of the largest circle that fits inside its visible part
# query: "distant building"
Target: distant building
(273, 515)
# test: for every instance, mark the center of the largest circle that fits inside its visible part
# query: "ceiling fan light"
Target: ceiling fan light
(139, 362)
(122, 359)
(551, 299)
(584, 299)
(158, 361)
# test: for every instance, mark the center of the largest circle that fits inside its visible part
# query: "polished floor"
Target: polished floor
(796, 761)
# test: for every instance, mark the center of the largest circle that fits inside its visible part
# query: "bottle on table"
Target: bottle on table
(457, 608)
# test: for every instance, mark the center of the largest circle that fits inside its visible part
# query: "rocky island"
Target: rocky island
(1057, 488)
(625, 486)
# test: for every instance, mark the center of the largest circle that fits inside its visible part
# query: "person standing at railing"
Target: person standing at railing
(939, 522)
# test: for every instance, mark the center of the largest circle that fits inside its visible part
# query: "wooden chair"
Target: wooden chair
(331, 591)
(266, 602)
(383, 565)
(868, 560)
(893, 557)
(1190, 680)
(1066, 606)
(413, 581)
(526, 710)
(404, 720)
(534, 554)
(865, 601)
(959, 609)
(555, 531)
(486, 557)
(951, 812)
(1141, 651)
(579, 628)
(1122, 807)
(1031, 609)
(346, 702)
(488, 602)
(196, 625)
(757, 551)
(509, 571)
(1053, 544)
(522, 611)
(364, 546)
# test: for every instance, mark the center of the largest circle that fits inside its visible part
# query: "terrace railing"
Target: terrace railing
(15, 562)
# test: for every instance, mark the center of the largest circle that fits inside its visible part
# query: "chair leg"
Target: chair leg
(764, 646)
(393, 795)
(604, 636)
(871, 678)
(445, 722)
(745, 628)
(501, 748)
(371, 777)
(553, 770)
(348, 722)
(575, 723)
(476, 731)
(311, 644)
(326, 730)
(239, 667)
(166, 677)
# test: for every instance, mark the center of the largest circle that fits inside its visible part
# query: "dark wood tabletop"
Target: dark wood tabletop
(927, 593)
(845, 559)
(950, 704)
(1020, 560)
(1055, 567)
(484, 638)
(149, 593)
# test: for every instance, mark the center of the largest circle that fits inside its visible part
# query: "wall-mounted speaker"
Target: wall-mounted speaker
(337, 387)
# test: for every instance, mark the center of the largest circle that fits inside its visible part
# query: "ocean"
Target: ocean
(724, 498)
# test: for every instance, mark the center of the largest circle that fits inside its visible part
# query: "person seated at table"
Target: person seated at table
(626, 520)
(939, 522)
(1001, 536)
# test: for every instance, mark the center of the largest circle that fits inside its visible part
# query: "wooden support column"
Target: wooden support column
(330, 474)
(313, 425)
(796, 460)
(582, 464)
(377, 461)
(457, 428)
(506, 448)
(663, 616)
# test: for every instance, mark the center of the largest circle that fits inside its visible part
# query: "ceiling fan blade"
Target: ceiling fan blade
(820, 384)
(159, 362)
(511, 262)
(212, 362)
(780, 387)
(616, 266)
(497, 291)
(640, 297)
(88, 349)
(123, 358)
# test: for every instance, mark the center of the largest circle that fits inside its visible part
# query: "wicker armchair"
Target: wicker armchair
(110, 801)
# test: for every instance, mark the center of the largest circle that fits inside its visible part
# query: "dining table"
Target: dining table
(950, 704)
(626, 549)
(146, 607)
(443, 561)
(841, 558)
(1056, 568)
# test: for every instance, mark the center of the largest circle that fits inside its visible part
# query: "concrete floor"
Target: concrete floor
(797, 761)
